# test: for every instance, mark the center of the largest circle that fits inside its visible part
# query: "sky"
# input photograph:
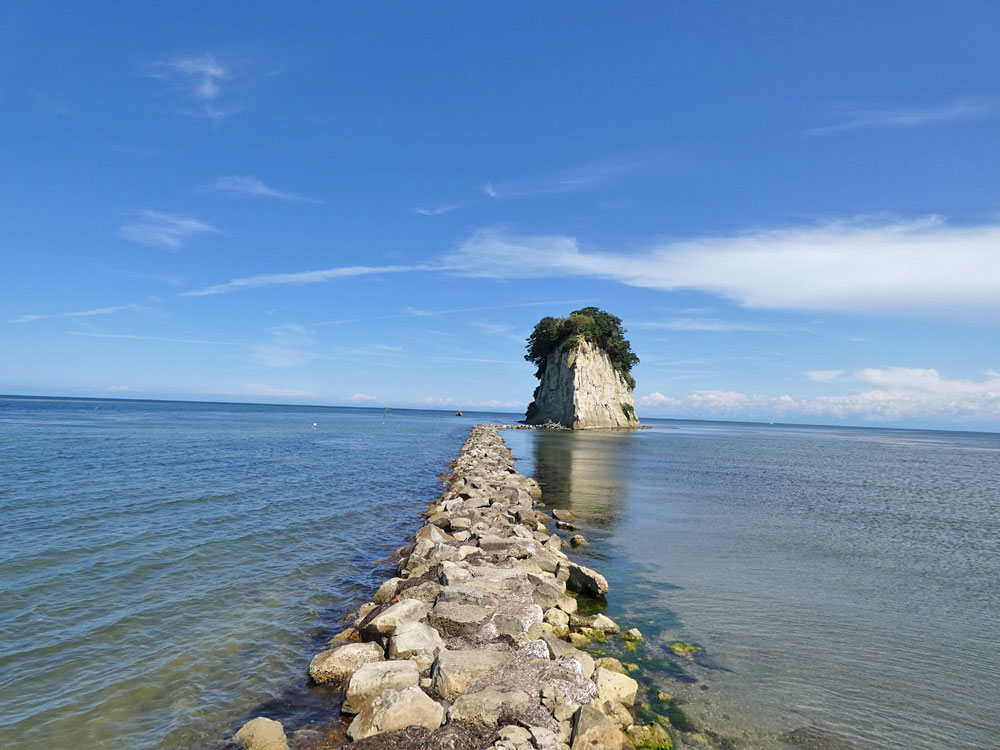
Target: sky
(793, 207)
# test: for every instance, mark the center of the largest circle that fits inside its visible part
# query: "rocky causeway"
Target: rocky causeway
(474, 644)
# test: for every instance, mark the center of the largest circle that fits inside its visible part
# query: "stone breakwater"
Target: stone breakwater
(473, 644)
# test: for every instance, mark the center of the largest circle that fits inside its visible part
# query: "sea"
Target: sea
(167, 569)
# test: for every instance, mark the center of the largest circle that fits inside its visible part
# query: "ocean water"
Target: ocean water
(168, 569)
(844, 583)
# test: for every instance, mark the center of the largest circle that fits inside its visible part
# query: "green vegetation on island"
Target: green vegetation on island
(600, 328)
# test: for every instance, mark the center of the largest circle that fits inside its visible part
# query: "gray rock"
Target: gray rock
(417, 642)
(338, 664)
(371, 680)
(455, 670)
(559, 649)
(384, 623)
(604, 623)
(425, 592)
(548, 595)
(546, 739)
(631, 635)
(563, 515)
(392, 710)
(615, 686)
(592, 730)
(386, 591)
(483, 708)
(452, 618)
(262, 734)
(585, 580)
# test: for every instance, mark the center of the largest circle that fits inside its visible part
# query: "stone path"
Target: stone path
(471, 646)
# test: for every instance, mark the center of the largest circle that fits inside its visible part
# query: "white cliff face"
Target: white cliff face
(582, 390)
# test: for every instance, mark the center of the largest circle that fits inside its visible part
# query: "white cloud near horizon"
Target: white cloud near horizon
(899, 393)
(861, 118)
(922, 267)
(200, 78)
(249, 185)
(260, 390)
(163, 229)
(81, 314)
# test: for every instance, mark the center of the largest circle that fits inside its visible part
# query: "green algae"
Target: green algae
(682, 648)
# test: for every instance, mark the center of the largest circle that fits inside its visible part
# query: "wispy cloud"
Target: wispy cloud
(200, 80)
(900, 393)
(922, 267)
(249, 185)
(299, 278)
(861, 118)
(51, 104)
(824, 376)
(286, 347)
(362, 398)
(580, 178)
(480, 360)
(117, 389)
(164, 339)
(416, 312)
(705, 324)
(438, 210)
(79, 314)
(163, 230)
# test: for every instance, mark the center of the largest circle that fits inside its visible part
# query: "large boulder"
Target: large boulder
(338, 664)
(386, 621)
(592, 730)
(559, 649)
(455, 670)
(417, 642)
(392, 710)
(584, 579)
(262, 734)
(484, 708)
(371, 680)
(616, 687)
(452, 618)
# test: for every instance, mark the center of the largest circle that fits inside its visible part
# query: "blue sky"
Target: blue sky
(794, 208)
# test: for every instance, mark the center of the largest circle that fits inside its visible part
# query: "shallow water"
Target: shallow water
(167, 568)
(846, 580)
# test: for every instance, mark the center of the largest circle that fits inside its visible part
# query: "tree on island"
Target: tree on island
(600, 328)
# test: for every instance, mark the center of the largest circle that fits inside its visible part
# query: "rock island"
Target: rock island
(584, 367)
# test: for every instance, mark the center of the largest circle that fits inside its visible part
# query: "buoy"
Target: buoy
(314, 425)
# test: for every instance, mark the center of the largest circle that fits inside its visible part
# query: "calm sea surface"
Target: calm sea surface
(168, 569)
(843, 582)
